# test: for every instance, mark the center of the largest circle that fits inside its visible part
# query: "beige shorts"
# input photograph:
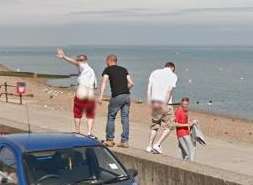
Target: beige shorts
(162, 118)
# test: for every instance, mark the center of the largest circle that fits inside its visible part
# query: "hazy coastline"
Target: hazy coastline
(214, 125)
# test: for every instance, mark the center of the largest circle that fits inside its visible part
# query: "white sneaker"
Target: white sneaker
(149, 149)
(157, 149)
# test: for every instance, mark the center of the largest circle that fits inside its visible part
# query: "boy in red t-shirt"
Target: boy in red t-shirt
(183, 130)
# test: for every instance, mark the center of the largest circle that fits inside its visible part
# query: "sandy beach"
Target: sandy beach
(229, 139)
(229, 128)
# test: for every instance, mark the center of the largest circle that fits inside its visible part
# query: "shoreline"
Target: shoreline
(230, 128)
(136, 100)
(232, 117)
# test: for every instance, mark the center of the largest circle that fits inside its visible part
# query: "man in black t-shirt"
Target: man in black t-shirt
(121, 84)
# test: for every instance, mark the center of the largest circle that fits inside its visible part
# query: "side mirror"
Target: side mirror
(132, 172)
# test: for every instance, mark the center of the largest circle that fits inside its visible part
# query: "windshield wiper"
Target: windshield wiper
(87, 181)
(91, 181)
(113, 180)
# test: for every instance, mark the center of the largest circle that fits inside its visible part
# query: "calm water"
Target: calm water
(223, 75)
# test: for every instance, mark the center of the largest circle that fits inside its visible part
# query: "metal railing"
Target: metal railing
(6, 93)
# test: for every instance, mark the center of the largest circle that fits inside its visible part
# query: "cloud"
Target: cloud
(43, 12)
(120, 12)
(152, 12)
(215, 10)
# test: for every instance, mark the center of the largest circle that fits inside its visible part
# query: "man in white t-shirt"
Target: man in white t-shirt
(85, 100)
(160, 87)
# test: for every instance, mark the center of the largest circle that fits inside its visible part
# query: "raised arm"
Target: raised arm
(130, 82)
(102, 88)
(61, 54)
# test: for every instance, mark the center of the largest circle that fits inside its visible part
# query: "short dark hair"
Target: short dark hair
(112, 57)
(187, 99)
(84, 56)
(170, 65)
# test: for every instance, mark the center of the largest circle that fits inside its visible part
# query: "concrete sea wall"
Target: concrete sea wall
(164, 170)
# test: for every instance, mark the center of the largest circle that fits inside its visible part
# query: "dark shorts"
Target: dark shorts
(84, 106)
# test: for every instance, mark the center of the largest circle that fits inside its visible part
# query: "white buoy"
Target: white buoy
(190, 81)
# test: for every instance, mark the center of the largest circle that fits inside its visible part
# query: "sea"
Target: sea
(218, 79)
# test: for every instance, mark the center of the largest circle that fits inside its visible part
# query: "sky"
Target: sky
(125, 22)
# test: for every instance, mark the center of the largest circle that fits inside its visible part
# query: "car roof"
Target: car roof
(28, 142)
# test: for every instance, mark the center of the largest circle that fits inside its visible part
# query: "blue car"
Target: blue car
(59, 159)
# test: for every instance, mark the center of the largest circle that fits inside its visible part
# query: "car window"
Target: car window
(84, 165)
(67, 164)
(7, 167)
(108, 163)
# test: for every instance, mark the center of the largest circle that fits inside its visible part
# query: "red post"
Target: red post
(20, 99)
(21, 88)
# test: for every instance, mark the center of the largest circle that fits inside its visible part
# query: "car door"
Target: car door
(8, 166)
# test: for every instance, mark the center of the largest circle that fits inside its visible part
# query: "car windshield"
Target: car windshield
(80, 165)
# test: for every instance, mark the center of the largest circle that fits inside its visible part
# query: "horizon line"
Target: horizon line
(127, 45)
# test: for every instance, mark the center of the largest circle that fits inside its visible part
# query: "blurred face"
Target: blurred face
(185, 105)
(110, 62)
(80, 59)
(173, 69)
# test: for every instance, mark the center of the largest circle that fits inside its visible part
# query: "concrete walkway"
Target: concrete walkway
(234, 157)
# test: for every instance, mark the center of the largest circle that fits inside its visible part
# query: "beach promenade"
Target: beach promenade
(231, 156)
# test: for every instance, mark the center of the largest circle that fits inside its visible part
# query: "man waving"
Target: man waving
(85, 100)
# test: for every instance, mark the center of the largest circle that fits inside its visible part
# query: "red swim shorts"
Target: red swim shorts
(84, 106)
